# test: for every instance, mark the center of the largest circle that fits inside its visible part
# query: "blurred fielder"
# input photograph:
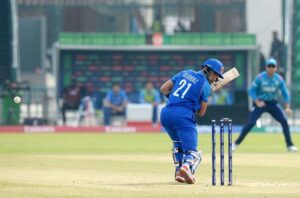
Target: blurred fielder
(264, 92)
(188, 92)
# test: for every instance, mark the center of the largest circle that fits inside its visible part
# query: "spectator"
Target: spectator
(89, 106)
(180, 27)
(278, 53)
(94, 94)
(221, 97)
(71, 99)
(115, 103)
(262, 60)
(150, 95)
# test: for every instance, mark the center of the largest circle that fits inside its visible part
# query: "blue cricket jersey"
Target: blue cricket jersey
(266, 88)
(116, 98)
(189, 90)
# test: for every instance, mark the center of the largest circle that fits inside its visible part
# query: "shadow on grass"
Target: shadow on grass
(145, 184)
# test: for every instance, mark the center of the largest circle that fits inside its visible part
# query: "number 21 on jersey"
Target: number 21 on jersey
(183, 85)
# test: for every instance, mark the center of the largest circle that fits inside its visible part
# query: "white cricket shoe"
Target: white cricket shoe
(292, 148)
(234, 146)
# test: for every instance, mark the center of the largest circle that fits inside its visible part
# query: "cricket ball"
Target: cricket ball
(17, 99)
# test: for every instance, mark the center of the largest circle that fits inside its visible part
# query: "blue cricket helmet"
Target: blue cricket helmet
(271, 61)
(215, 65)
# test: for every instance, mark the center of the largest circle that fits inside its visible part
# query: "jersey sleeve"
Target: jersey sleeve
(175, 77)
(124, 96)
(206, 92)
(108, 96)
(284, 91)
(254, 87)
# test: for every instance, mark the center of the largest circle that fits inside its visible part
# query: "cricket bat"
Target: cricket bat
(230, 75)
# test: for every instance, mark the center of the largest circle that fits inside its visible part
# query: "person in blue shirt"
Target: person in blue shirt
(188, 93)
(115, 103)
(264, 93)
(151, 96)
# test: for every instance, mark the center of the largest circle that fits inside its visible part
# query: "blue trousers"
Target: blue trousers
(276, 112)
(181, 127)
(108, 113)
(154, 114)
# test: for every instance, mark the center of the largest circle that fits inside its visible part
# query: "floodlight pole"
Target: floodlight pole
(15, 40)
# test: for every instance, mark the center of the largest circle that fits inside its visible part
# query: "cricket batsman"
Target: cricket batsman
(264, 93)
(188, 93)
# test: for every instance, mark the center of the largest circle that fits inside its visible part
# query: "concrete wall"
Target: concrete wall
(263, 17)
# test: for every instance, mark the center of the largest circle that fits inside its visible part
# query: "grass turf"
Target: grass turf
(138, 166)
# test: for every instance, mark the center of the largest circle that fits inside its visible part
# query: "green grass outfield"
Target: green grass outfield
(138, 166)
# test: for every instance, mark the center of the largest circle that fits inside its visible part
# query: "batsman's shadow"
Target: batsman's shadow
(146, 184)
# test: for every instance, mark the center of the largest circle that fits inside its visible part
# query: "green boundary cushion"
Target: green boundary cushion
(101, 39)
(118, 39)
